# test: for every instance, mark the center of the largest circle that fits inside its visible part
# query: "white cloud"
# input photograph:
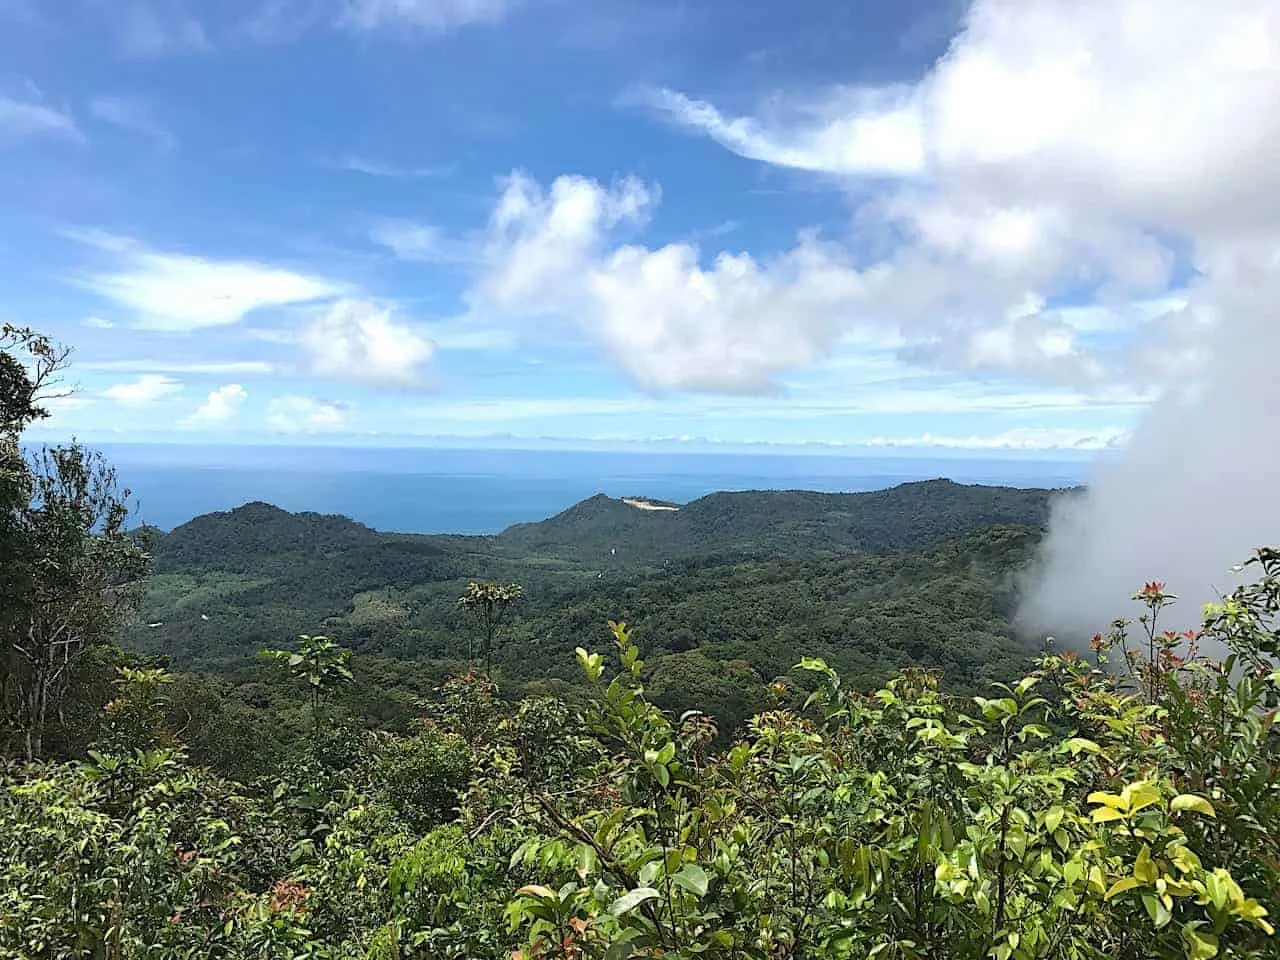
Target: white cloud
(666, 319)
(294, 414)
(157, 28)
(146, 389)
(1054, 151)
(540, 239)
(673, 322)
(220, 406)
(853, 131)
(132, 116)
(434, 16)
(100, 323)
(361, 341)
(22, 121)
(1025, 438)
(173, 291)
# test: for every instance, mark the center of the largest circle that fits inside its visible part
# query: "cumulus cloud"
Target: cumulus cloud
(146, 389)
(1055, 153)
(220, 406)
(22, 120)
(433, 16)
(674, 319)
(663, 317)
(361, 341)
(295, 414)
(179, 292)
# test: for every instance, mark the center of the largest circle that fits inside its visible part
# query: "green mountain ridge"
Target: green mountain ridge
(226, 584)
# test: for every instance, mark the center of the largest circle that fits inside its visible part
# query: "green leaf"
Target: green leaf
(1053, 818)
(1120, 886)
(1189, 801)
(1200, 946)
(632, 899)
(692, 878)
(1159, 913)
(1077, 745)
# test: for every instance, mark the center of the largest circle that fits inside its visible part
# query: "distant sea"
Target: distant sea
(485, 491)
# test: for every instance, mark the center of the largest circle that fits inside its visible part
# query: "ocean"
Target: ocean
(487, 490)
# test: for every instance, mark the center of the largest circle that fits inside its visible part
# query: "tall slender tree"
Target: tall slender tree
(488, 603)
(318, 662)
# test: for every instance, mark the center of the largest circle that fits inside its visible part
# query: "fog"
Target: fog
(1195, 490)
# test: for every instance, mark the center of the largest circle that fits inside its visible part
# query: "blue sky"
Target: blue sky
(890, 226)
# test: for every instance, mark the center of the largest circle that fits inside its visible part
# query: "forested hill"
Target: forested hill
(779, 523)
(739, 525)
(226, 584)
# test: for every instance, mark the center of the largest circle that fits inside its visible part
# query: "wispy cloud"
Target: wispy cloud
(198, 367)
(132, 116)
(433, 16)
(145, 390)
(425, 242)
(377, 168)
(157, 28)
(173, 291)
(853, 131)
(23, 120)
(1028, 438)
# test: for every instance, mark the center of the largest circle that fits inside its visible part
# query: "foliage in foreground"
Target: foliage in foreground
(1123, 803)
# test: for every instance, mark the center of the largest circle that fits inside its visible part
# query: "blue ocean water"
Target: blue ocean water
(485, 491)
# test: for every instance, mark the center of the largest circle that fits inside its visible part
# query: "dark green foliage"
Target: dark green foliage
(422, 776)
(1101, 806)
(227, 584)
(231, 583)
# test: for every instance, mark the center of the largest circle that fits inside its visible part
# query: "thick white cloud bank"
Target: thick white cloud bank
(1127, 149)
(1194, 492)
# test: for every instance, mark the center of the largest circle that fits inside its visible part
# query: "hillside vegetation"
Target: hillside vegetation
(717, 615)
(226, 583)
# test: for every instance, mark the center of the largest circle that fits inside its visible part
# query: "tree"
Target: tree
(488, 602)
(72, 573)
(320, 663)
(29, 364)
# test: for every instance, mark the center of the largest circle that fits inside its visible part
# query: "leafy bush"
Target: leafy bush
(1120, 801)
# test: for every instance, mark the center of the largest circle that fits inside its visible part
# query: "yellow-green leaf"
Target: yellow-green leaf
(1121, 885)
(1145, 870)
(1108, 799)
(1189, 801)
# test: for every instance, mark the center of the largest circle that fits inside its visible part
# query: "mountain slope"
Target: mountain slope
(778, 523)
